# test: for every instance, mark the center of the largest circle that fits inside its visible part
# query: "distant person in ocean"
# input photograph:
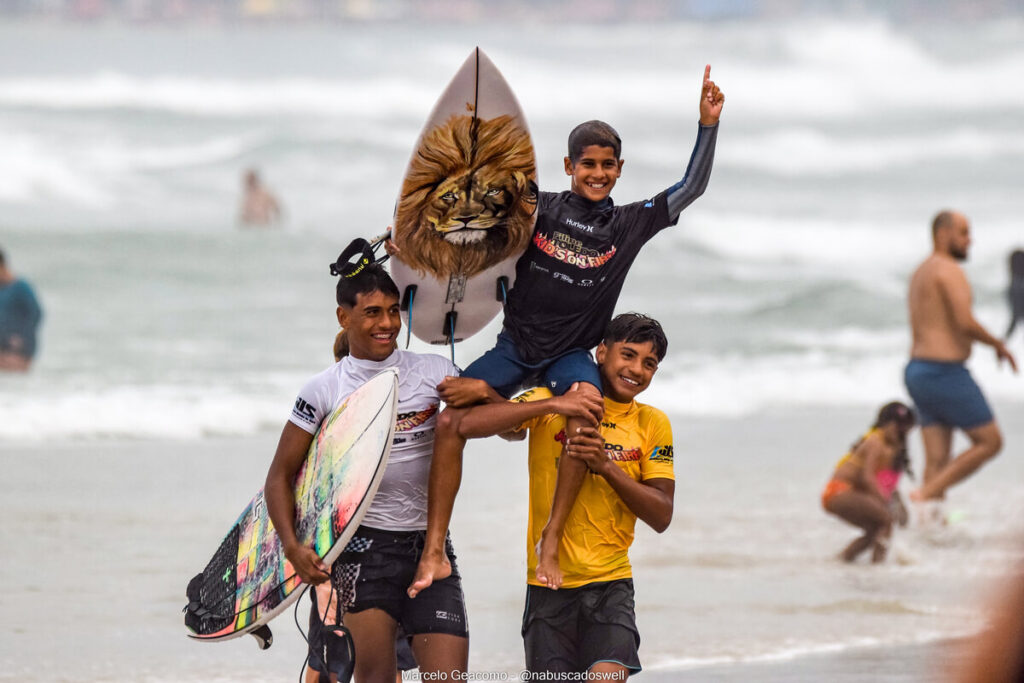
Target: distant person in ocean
(863, 488)
(1016, 292)
(589, 624)
(259, 207)
(943, 329)
(20, 315)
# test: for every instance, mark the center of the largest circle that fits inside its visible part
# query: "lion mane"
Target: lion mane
(469, 198)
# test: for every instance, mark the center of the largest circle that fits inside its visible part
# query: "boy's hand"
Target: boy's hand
(587, 445)
(389, 243)
(307, 564)
(578, 403)
(460, 392)
(711, 100)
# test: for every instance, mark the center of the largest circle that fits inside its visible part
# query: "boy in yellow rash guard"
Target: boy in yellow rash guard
(589, 624)
(637, 438)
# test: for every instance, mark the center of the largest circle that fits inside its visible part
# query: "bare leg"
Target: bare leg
(864, 511)
(608, 671)
(856, 547)
(986, 442)
(938, 447)
(571, 473)
(881, 546)
(441, 656)
(373, 634)
(445, 478)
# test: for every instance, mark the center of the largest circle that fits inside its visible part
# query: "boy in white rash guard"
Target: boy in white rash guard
(378, 563)
(372, 573)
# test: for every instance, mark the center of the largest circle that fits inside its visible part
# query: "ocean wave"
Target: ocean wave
(216, 96)
(774, 68)
(739, 385)
(804, 151)
(145, 412)
(770, 245)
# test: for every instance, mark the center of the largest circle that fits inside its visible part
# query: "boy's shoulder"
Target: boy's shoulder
(648, 415)
(430, 364)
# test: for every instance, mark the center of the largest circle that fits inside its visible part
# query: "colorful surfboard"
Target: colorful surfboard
(249, 581)
(466, 209)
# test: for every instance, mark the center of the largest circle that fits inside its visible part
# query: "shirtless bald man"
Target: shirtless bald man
(944, 393)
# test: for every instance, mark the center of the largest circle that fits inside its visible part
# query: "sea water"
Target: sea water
(782, 290)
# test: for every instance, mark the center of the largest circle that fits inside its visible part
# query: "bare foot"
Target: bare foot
(916, 496)
(879, 551)
(548, 571)
(431, 567)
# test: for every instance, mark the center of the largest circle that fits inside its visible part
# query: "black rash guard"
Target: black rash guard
(568, 280)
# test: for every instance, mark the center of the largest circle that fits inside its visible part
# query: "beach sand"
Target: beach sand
(102, 536)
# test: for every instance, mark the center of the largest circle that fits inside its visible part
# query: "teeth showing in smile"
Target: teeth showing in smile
(629, 381)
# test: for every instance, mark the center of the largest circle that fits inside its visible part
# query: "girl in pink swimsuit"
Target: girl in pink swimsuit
(862, 490)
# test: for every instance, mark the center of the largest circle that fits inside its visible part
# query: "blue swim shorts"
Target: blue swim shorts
(505, 370)
(945, 393)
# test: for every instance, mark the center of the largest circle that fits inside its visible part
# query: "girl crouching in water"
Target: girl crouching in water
(863, 488)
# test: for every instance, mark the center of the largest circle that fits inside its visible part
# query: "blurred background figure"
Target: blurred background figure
(996, 655)
(20, 314)
(862, 490)
(259, 207)
(1016, 291)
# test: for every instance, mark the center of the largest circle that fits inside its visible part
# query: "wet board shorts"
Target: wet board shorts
(833, 489)
(506, 372)
(376, 568)
(572, 629)
(945, 393)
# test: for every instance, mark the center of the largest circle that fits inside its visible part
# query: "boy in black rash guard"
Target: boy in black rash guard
(567, 284)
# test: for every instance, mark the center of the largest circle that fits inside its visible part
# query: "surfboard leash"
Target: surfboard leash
(327, 653)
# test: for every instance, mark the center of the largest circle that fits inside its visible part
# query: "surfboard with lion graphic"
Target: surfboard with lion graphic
(467, 206)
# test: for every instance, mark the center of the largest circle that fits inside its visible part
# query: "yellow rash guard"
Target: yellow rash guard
(599, 529)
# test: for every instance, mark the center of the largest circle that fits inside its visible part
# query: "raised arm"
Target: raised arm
(651, 499)
(698, 170)
(280, 498)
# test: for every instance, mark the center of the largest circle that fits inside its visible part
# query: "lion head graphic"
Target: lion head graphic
(469, 199)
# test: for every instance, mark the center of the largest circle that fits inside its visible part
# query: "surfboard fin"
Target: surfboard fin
(502, 289)
(449, 330)
(408, 296)
(264, 638)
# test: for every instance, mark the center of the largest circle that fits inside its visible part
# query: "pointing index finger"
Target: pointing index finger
(707, 74)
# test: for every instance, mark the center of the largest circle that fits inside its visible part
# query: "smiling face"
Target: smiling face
(594, 173)
(372, 324)
(627, 368)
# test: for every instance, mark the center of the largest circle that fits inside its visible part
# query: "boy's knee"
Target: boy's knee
(448, 422)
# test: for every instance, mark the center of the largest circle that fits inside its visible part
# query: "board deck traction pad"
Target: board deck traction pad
(248, 581)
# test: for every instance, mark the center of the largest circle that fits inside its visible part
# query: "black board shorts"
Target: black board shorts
(572, 629)
(375, 570)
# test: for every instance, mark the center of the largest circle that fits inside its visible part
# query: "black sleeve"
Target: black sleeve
(698, 172)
